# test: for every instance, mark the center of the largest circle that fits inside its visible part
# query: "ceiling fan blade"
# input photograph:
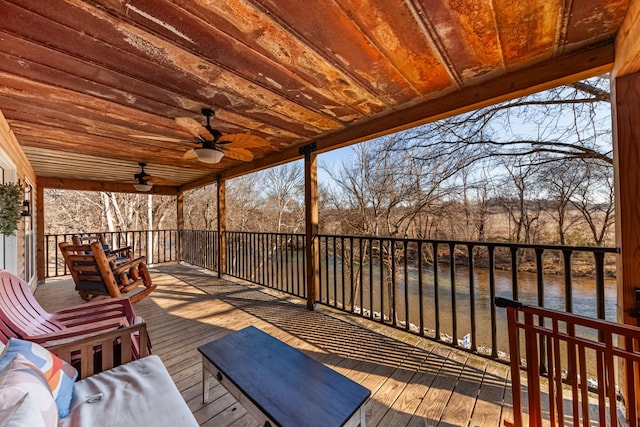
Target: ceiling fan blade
(190, 155)
(236, 153)
(160, 138)
(242, 140)
(193, 127)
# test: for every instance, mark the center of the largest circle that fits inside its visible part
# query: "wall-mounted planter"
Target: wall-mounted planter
(11, 196)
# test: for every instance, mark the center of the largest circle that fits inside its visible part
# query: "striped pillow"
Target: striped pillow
(59, 374)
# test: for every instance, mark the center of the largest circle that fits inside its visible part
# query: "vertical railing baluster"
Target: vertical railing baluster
(262, 259)
(246, 273)
(361, 276)
(335, 273)
(56, 255)
(392, 300)
(304, 266)
(286, 253)
(514, 272)
(406, 285)
(540, 287)
(370, 278)
(351, 267)
(271, 259)
(600, 302)
(568, 288)
(322, 271)
(342, 298)
(298, 267)
(472, 298)
(381, 261)
(436, 297)
(420, 290)
(492, 298)
(452, 274)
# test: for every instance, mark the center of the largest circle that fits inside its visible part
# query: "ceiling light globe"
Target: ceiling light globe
(208, 155)
(142, 187)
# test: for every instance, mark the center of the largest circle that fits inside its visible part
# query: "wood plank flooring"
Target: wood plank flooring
(413, 381)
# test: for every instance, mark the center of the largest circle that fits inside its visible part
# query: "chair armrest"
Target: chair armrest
(79, 331)
(127, 265)
(88, 346)
(125, 249)
(74, 315)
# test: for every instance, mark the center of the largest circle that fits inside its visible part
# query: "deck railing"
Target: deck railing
(274, 260)
(393, 281)
(440, 289)
(159, 246)
(571, 395)
(200, 248)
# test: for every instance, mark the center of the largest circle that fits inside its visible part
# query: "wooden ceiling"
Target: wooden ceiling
(80, 82)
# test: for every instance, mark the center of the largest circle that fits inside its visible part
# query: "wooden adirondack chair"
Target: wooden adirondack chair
(21, 316)
(98, 274)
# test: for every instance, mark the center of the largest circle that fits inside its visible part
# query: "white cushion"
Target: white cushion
(20, 378)
(24, 413)
(139, 393)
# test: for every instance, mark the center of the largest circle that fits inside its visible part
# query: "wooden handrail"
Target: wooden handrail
(615, 346)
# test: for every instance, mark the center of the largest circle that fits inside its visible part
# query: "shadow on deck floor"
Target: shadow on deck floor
(413, 381)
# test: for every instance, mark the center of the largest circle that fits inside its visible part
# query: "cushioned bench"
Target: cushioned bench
(279, 385)
(37, 385)
(139, 393)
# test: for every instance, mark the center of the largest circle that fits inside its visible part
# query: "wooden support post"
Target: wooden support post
(625, 99)
(222, 225)
(180, 223)
(311, 223)
(40, 249)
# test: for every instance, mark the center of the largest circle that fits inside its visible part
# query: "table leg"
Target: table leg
(206, 381)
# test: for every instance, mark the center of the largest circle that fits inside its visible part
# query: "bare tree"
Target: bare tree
(594, 198)
(284, 191)
(244, 198)
(561, 180)
(200, 208)
(519, 196)
(568, 122)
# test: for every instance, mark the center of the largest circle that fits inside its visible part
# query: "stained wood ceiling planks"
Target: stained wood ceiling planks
(94, 78)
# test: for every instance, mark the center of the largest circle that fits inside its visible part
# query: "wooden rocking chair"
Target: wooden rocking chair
(123, 254)
(98, 274)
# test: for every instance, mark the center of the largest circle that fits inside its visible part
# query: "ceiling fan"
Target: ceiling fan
(144, 181)
(212, 144)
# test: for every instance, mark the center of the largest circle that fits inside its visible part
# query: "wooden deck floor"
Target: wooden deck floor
(413, 382)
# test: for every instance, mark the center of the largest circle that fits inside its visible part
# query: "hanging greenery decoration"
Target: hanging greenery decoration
(11, 195)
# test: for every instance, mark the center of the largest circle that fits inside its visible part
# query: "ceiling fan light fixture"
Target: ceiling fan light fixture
(208, 155)
(142, 187)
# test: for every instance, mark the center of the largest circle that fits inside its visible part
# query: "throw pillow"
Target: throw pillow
(59, 374)
(25, 396)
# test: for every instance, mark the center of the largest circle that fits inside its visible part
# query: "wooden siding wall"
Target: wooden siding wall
(12, 149)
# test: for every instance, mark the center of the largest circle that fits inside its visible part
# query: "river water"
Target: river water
(284, 271)
(583, 289)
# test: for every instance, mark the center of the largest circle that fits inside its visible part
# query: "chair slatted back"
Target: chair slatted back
(19, 310)
(90, 268)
